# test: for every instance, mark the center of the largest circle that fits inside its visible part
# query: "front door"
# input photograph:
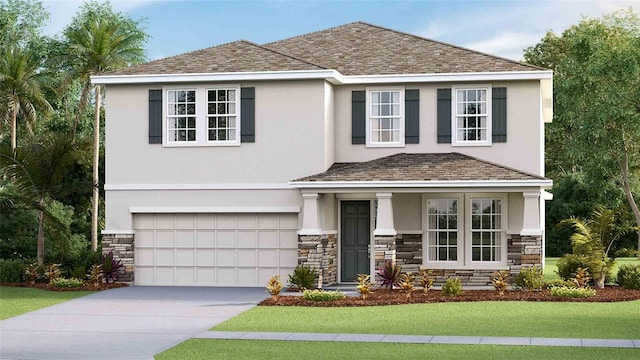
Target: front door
(355, 239)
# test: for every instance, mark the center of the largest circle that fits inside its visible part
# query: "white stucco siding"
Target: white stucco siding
(119, 203)
(521, 151)
(289, 142)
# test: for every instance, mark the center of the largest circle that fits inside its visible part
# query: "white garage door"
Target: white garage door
(214, 249)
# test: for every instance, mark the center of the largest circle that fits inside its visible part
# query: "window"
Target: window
(486, 230)
(221, 114)
(202, 116)
(464, 231)
(442, 229)
(471, 123)
(385, 117)
(181, 115)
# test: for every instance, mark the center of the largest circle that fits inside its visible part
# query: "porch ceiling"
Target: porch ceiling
(422, 168)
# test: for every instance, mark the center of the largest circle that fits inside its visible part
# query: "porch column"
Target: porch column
(531, 214)
(310, 215)
(384, 216)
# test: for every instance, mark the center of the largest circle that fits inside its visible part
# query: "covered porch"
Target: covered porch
(451, 213)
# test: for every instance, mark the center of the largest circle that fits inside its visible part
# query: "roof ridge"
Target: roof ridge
(313, 32)
(501, 166)
(444, 43)
(283, 54)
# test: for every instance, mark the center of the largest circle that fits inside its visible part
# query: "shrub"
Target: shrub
(426, 279)
(406, 283)
(12, 271)
(52, 272)
(581, 278)
(390, 274)
(111, 267)
(66, 283)
(322, 295)
(629, 276)
(95, 275)
(78, 272)
(452, 287)
(33, 272)
(530, 278)
(559, 283)
(274, 286)
(568, 264)
(499, 281)
(572, 292)
(364, 286)
(303, 278)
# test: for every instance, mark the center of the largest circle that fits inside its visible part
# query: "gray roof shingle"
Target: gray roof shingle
(420, 167)
(237, 56)
(353, 49)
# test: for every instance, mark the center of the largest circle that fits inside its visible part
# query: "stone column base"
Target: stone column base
(319, 252)
(122, 247)
(385, 250)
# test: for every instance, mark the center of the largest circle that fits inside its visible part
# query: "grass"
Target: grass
(551, 266)
(489, 318)
(16, 300)
(310, 350)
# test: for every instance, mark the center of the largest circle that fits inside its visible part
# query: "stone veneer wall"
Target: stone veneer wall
(522, 251)
(122, 247)
(319, 252)
(385, 250)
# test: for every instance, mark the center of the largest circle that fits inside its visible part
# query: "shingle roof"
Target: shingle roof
(353, 49)
(363, 49)
(237, 56)
(421, 167)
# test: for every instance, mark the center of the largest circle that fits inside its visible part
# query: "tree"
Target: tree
(21, 87)
(21, 22)
(36, 170)
(100, 41)
(595, 237)
(597, 98)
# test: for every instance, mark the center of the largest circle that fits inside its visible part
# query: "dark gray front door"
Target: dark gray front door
(354, 238)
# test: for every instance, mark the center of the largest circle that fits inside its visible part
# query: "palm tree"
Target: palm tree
(21, 87)
(100, 44)
(36, 170)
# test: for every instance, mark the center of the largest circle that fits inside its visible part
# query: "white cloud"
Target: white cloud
(62, 11)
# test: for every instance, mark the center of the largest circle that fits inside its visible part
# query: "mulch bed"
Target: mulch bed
(45, 286)
(396, 297)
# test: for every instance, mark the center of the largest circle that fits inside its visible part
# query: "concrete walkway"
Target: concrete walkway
(126, 323)
(420, 339)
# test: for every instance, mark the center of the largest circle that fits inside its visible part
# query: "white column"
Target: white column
(384, 216)
(310, 215)
(531, 214)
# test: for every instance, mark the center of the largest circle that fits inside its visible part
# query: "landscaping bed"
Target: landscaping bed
(45, 286)
(396, 297)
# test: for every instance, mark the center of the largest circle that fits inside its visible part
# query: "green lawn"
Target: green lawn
(491, 318)
(551, 266)
(310, 350)
(15, 300)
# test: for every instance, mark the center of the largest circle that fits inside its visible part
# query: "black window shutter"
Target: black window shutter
(248, 114)
(358, 117)
(499, 114)
(412, 116)
(155, 116)
(444, 116)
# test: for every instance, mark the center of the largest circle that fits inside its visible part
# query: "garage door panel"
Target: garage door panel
(164, 238)
(247, 239)
(205, 238)
(214, 249)
(226, 257)
(226, 239)
(205, 257)
(164, 257)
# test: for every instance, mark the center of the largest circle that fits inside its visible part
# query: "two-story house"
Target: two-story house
(339, 149)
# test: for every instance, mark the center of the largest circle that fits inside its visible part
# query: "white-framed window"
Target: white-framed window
(201, 116)
(385, 117)
(464, 231)
(471, 116)
(486, 230)
(442, 230)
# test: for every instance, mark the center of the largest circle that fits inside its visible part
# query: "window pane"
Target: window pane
(182, 135)
(191, 134)
(212, 135)
(385, 97)
(442, 253)
(486, 254)
(453, 238)
(453, 254)
(475, 238)
(433, 238)
(475, 254)
(442, 238)
(232, 95)
(222, 135)
(191, 96)
(191, 122)
(432, 253)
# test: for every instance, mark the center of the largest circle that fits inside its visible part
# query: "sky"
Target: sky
(501, 28)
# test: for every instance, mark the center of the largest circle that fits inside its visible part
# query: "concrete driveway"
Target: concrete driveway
(126, 323)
